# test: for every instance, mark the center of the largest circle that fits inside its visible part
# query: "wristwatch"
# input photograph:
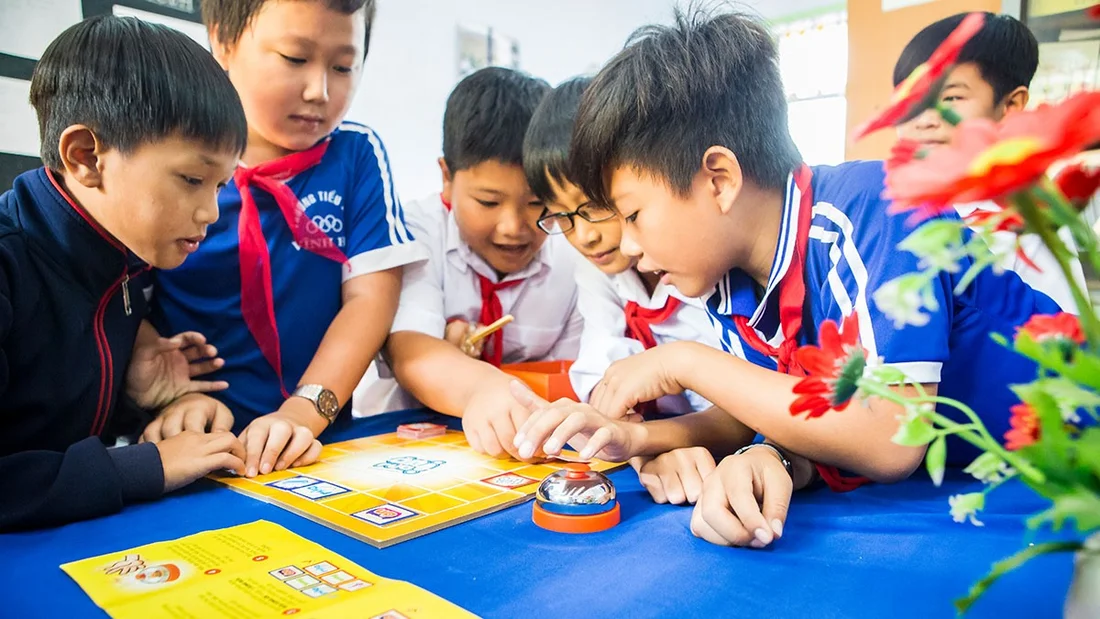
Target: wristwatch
(778, 452)
(324, 400)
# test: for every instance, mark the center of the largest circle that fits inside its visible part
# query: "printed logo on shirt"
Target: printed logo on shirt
(325, 211)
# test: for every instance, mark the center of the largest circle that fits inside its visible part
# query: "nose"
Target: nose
(928, 119)
(207, 213)
(511, 224)
(628, 246)
(584, 232)
(317, 86)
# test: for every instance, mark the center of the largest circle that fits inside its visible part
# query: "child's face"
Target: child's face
(599, 242)
(295, 67)
(496, 213)
(160, 198)
(686, 240)
(970, 96)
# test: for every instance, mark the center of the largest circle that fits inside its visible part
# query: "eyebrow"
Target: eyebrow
(311, 44)
(956, 85)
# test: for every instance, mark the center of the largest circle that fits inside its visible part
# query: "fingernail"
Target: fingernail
(526, 449)
(518, 440)
(777, 526)
(757, 544)
(251, 471)
(265, 468)
(763, 536)
(551, 447)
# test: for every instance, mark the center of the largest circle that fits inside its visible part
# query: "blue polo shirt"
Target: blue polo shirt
(852, 251)
(350, 197)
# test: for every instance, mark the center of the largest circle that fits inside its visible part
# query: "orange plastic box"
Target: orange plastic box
(548, 379)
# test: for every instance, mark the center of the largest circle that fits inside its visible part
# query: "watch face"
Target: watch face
(327, 404)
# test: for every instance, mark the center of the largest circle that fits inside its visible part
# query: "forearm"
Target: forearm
(714, 429)
(857, 439)
(437, 373)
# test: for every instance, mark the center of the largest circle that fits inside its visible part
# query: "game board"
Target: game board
(385, 489)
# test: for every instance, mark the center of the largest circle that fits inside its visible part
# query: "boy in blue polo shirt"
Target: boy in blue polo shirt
(298, 283)
(139, 130)
(685, 132)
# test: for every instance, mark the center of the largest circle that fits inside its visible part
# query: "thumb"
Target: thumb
(777, 498)
(527, 398)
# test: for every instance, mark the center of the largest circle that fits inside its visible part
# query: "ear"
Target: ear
(1016, 100)
(722, 176)
(81, 155)
(218, 48)
(448, 179)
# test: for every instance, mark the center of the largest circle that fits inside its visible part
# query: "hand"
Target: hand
(552, 426)
(458, 332)
(643, 377)
(677, 477)
(490, 420)
(162, 369)
(194, 412)
(189, 456)
(280, 440)
(744, 502)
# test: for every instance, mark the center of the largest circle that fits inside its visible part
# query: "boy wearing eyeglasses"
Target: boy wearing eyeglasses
(625, 311)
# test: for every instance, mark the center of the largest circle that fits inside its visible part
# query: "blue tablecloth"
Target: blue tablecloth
(881, 551)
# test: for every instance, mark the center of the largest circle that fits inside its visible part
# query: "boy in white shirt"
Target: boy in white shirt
(990, 80)
(487, 259)
(625, 311)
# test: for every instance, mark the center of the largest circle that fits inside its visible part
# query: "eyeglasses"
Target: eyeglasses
(560, 223)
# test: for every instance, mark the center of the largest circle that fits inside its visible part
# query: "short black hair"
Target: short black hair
(546, 145)
(133, 82)
(1004, 50)
(487, 116)
(673, 92)
(228, 18)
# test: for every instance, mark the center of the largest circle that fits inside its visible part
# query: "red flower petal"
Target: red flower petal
(1042, 327)
(816, 362)
(1078, 183)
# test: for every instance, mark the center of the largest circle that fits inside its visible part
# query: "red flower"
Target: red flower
(916, 89)
(1025, 427)
(1005, 220)
(990, 161)
(1042, 328)
(833, 369)
(1093, 11)
(904, 152)
(1078, 183)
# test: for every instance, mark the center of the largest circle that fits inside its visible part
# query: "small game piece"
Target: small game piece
(576, 500)
(421, 430)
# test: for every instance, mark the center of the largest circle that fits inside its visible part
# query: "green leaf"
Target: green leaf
(967, 506)
(1087, 447)
(915, 431)
(1070, 397)
(989, 468)
(1005, 566)
(1000, 339)
(1080, 504)
(936, 460)
(888, 375)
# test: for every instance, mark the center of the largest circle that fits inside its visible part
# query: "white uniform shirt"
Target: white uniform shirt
(547, 325)
(602, 302)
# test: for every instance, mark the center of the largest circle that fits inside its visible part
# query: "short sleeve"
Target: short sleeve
(421, 305)
(378, 236)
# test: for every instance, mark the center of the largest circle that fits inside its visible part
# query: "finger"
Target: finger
(278, 436)
(652, 483)
(715, 509)
(473, 438)
(505, 434)
(537, 429)
(206, 366)
(674, 487)
(776, 498)
(172, 423)
(527, 398)
(227, 462)
(254, 439)
(188, 339)
(300, 442)
(194, 420)
(489, 442)
(165, 344)
(223, 419)
(226, 443)
(152, 432)
(701, 529)
(310, 456)
(693, 470)
(600, 438)
(572, 423)
(742, 501)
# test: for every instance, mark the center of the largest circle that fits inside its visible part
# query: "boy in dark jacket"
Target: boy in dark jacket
(140, 129)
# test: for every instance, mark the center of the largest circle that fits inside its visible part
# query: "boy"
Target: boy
(990, 80)
(134, 156)
(299, 281)
(488, 259)
(625, 311)
(687, 126)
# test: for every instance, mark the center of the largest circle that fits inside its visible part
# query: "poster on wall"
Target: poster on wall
(485, 47)
(1069, 48)
(27, 28)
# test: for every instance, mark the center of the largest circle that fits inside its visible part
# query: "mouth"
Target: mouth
(312, 121)
(190, 245)
(603, 258)
(512, 250)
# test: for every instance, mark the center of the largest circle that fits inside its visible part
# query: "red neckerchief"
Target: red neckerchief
(639, 320)
(491, 311)
(257, 304)
(792, 297)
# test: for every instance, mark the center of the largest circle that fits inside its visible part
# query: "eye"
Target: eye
(191, 180)
(293, 60)
(222, 185)
(951, 98)
(631, 218)
(488, 203)
(342, 69)
(537, 204)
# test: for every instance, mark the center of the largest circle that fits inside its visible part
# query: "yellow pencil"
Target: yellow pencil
(488, 330)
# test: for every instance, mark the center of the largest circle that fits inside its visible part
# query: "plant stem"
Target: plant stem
(1029, 209)
(948, 115)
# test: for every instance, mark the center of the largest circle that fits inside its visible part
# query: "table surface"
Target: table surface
(880, 551)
